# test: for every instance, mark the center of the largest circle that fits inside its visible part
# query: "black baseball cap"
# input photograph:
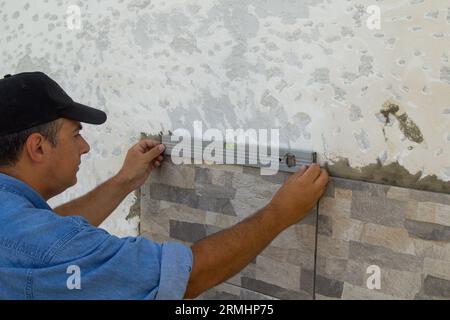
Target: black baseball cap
(32, 98)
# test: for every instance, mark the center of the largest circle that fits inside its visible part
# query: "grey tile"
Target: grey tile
(324, 226)
(436, 287)
(307, 280)
(329, 287)
(373, 189)
(252, 295)
(202, 176)
(214, 191)
(330, 190)
(426, 196)
(187, 231)
(217, 294)
(174, 194)
(384, 257)
(379, 210)
(428, 231)
(212, 229)
(273, 290)
(219, 205)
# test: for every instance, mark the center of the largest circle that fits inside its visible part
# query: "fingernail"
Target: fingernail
(161, 147)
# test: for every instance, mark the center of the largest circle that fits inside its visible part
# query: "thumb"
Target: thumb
(154, 152)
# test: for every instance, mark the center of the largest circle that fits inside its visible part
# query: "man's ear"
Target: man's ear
(36, 147)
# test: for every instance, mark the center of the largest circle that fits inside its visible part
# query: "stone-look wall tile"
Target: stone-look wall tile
(344, 194)
(360, 224)
(352, 292)
(432, 249)
(346, 229)
(379, 210)
(155, 225)
(176, 211)
(181, 176)
(402, 284)
(252, 193)
(374, 190)
(396, 239)
(397, 193)
(324, 226)
(428, 231)
(274, 290)
(300, 257)
(335, 207)
(437, 268)
(295, 236)
(430, 212)
(307, 280)
(425, 196)
(329, 247)
(384, 257)
(222, 291)
(281, 274)
(344, 270)
(221, 198)
(436, 287)
(329, 287)
(187, 231)
(168, 193)
(331, 189)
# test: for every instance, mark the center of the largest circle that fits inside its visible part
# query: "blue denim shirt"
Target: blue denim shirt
(47, 256)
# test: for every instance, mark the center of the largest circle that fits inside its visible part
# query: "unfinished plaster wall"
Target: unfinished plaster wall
(311, 68)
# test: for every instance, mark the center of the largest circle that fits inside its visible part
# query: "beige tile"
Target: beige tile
(282, 274)
(346, 229)
(352, 292)
(182, 176)
(437, 268)
(396, 239)
(181, 212)
(329, 247)
(398, 193)
(432, 249)
(402, 284)
(335, 207)
(343, 193)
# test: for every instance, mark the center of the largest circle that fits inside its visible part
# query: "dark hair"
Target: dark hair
(12, 144)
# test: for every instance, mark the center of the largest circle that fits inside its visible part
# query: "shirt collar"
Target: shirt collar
(11, 184)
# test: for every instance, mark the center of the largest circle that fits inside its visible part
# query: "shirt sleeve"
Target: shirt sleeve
(96, 265)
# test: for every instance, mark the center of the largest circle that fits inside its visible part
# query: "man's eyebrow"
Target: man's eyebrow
(78, 127)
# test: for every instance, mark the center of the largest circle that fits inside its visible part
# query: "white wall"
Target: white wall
(312, 68)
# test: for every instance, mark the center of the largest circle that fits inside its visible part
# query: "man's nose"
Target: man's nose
(86, 147)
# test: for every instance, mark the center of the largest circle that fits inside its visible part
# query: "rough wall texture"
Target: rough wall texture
(328, 78)
(404, 232)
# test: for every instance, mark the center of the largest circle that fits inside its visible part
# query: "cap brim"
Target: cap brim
(80, 112)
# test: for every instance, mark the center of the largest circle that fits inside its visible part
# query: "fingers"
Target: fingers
(154, 153)
(147, 144)
(301, 171)
(322, 181)
(312, 173)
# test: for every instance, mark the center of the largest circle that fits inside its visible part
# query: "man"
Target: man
(40, 247)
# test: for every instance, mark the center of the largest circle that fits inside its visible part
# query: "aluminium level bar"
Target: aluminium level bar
(289, 160)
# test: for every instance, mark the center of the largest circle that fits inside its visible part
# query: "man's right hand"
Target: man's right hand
(299, 194)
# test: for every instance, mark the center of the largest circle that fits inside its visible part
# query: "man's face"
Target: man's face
(65, 158)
